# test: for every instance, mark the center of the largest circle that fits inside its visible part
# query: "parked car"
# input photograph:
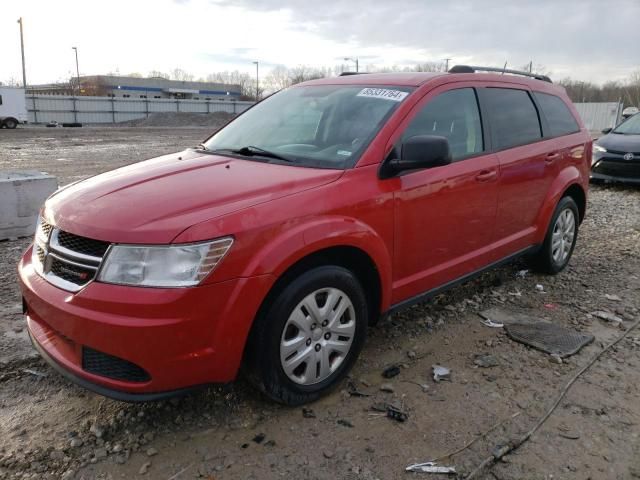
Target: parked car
(278, 241)
(616, 155)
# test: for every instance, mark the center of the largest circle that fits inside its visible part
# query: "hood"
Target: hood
(620, 143)
(153, 201)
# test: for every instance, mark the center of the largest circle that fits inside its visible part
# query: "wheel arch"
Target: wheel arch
(579, 196)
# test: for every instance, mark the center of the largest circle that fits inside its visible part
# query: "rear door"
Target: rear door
(444, 216)
(528, 163)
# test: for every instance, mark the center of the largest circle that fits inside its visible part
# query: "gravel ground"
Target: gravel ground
(53, 429)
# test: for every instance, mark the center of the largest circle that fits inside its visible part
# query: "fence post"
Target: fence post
(146, 106)
(113, 109)
(234, 106)
(208, 106)
(177, 105)
(35, 109)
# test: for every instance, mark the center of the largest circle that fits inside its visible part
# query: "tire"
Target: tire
(560, 239)
(10, 123)
(300, 347)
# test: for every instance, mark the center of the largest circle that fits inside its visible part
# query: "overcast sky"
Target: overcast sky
(595, 40)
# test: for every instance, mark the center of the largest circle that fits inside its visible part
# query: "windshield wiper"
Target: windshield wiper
(251, 150)
(202, 146)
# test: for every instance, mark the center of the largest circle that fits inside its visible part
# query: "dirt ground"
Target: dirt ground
(53, 429)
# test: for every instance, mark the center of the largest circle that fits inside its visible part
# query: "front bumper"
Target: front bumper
(181, 337)
(610, 168)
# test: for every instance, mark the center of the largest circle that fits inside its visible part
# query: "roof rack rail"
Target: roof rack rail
(473, 69)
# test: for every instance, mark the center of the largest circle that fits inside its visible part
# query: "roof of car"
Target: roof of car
(415, 79)
(409, 79)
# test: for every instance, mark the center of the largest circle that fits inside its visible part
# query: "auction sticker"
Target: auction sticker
(395, 95)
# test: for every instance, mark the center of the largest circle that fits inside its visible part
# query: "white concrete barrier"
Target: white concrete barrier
(22, 194)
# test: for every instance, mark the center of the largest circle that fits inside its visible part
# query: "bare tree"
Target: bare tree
(181, 75)
(158, 74)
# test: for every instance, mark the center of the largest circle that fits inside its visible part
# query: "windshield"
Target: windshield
(630, 127)
(323, 126)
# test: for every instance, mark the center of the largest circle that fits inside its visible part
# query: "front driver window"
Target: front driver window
(454, 115)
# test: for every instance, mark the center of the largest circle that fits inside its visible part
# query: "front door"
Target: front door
(444, 216)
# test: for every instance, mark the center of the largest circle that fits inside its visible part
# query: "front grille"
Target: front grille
(70, 272)
(46, 228)
(66, 260)
(86, 246)
(109, 366)
(41, 253)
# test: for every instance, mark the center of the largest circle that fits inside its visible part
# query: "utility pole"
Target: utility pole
(257, 81)
(77, 69)
(349, 59)
(446, 64)
(531, 66)
(24, 71)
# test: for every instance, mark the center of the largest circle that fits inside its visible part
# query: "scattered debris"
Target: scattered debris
(259, 438)
(569, 435)
(613, 298)
(391, 371)
(151, 452)
(522, 273)
(485, 360)
(396, 414)
(607, 316)
(345, 423)
(387, 387)
(555, 358)
(549, 337)
(540, 288)
(354, 392)
(489, 323)
(429, 467)
(35, 372)
(550, 306)
(441, 373)
(144, 468)
(308, 413)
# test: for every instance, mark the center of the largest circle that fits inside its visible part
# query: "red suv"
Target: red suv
(275, 244)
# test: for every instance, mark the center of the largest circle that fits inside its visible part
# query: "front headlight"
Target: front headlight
(599, 149)
(163, 266)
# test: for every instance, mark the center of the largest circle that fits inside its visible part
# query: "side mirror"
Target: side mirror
(419, 152)
(607, 130)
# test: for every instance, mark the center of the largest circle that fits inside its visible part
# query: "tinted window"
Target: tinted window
(558, 116)
(514, 118)
(454, 115)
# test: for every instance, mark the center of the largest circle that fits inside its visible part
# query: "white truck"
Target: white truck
(13, 107)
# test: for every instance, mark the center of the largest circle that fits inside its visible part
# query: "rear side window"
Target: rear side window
(558, 116)
(454, 115)
(514, 118)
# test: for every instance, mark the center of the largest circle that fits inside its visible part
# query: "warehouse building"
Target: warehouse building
(135, 87)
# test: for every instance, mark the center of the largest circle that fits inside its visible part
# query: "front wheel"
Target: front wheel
(561, 238)
(309, 336)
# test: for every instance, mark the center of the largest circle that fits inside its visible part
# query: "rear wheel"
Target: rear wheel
(561, 238)
(309, 336)
(11, 123)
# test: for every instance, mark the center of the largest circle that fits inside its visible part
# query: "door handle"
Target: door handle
(552, 157)
(486, 175)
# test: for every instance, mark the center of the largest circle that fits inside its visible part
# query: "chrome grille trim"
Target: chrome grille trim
(48, 250)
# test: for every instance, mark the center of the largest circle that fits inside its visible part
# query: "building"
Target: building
(135, 87)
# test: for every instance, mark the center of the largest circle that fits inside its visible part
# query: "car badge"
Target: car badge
(628, 156)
